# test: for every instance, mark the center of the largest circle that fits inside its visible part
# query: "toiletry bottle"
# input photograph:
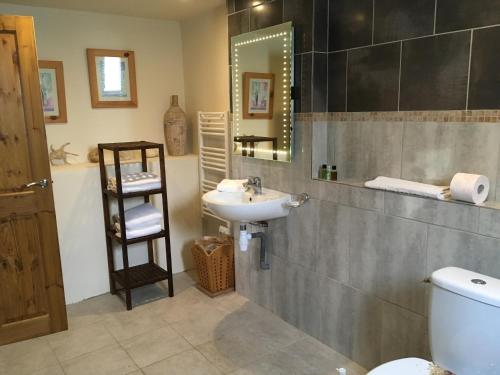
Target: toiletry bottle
(322, 172)
(328, 172)
(334, 173)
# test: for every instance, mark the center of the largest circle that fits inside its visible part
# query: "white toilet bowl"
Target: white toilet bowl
(406, 366)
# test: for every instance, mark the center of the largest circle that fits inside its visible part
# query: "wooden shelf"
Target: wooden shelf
(150, 272)
(128, 146)
(133, 194)
(131, 241)
(141, 275)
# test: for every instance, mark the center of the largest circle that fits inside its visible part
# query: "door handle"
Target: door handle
(41, 184)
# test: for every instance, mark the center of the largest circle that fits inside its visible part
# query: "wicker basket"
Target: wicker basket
(214, 258)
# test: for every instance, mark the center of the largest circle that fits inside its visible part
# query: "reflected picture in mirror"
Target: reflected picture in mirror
(258, 95)
(262, 81)
(112, 78)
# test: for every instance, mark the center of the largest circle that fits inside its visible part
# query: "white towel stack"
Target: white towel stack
(140, 221)
(134, 182)
(409, 187)
(232, 186)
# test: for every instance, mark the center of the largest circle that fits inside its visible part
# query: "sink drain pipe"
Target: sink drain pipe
(245, 237)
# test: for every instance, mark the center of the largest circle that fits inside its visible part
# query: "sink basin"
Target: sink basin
(247, 207)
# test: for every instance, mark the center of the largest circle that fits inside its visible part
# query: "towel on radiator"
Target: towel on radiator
(232, 186)
(409, 187)
(134, 182)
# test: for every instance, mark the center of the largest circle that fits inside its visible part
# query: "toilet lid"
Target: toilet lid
(406, 366)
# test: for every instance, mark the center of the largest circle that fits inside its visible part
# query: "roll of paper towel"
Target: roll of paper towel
(472, 188)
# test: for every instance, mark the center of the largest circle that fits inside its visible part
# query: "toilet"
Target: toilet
(464, 326)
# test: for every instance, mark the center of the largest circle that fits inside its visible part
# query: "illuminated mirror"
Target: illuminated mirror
(262, 81)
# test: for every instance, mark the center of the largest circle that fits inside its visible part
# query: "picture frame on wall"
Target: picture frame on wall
(258, 95)
(51, 75)
(112, 78)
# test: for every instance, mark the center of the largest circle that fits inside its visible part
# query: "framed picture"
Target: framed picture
(53, 93)
(112, 78)
(258, 95)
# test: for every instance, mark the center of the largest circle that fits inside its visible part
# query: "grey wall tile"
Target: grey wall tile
(302, 229)
(434, 72)
(361, 197)
(365, 150)
(464, 14)
(351, 322)
(434, 152)
(388, 258)
(452, 248)
(404, 334)
(363, 237)
(489, 222)
(328, 191)
(333, 241)
(453, 215)
(295, 292)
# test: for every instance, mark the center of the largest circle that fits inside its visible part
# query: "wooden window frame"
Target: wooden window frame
(94, 87)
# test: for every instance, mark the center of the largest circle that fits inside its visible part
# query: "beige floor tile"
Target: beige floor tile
(183, 306)
(26, 357)
(52, 370)
(125, 324)
(200, 325)
(305, 357)
(109, 361)
(93, 310)
(190, 362)
(244, 338)
(76, 342)
(154, 346)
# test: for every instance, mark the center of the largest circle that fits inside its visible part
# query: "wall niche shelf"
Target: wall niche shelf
(129, 278)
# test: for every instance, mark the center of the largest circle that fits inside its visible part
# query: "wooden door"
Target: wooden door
(31, 285)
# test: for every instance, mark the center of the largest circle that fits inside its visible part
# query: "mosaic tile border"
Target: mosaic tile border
(491, 116)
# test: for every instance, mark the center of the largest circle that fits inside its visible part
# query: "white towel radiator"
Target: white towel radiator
(213, 141)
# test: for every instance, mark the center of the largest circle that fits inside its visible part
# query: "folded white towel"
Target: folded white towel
(139, 216)
(409, 187)
(134, 182)
(149, 223)
(134, 233)
(232, 186)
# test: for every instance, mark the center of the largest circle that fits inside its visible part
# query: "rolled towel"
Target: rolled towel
(232, 186)
(409, 187)
(134, 233)
(134, 182)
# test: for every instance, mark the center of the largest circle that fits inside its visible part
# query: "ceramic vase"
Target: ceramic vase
(175, 128)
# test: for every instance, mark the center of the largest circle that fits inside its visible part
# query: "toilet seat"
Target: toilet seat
(406, 366)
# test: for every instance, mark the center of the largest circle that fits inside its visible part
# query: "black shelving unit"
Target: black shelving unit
(129, 278)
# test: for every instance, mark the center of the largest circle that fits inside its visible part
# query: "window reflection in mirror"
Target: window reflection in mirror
(262, 78)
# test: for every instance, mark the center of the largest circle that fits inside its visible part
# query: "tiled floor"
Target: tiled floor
(187, 334)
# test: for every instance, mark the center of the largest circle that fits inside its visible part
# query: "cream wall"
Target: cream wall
(206, 71)
(65, 35)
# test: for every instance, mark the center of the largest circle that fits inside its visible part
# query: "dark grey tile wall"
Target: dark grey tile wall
(432, 73)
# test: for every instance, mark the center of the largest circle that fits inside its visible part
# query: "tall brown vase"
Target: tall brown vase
(175, 128)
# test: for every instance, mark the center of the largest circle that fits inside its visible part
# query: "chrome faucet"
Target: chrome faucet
(255, 183)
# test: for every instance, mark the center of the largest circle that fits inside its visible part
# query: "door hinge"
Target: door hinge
(15, 58)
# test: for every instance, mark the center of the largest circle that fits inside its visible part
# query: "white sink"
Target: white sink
(248, 207)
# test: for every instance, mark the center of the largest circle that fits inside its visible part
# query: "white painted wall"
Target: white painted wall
(206, 70)
(65, 35)
(78, 203)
